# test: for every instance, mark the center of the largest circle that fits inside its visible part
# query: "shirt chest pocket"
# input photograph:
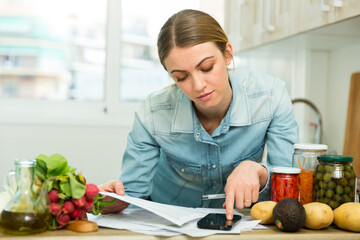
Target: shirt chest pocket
(187, 171)
(254, 156)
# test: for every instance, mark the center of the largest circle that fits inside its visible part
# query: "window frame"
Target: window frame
(110, 111)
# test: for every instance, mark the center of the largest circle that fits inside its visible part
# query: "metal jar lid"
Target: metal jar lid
(310, 146)
(25, 162)
(286, 170)
(335, 158)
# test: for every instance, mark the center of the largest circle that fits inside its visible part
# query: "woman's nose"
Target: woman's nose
(199, 83)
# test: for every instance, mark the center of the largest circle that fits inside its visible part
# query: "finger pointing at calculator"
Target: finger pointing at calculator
(243, 186)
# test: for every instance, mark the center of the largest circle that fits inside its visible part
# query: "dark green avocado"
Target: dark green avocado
(289, 215)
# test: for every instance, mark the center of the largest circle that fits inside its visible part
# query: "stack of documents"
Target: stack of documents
(165, 220)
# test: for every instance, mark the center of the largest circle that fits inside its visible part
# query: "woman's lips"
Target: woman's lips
(205, 96)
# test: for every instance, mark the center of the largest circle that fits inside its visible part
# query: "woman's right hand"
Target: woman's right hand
(117, 187)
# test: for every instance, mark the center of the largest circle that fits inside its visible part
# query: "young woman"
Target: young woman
(206, 133)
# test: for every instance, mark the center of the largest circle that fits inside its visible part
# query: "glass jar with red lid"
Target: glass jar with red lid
(284, 183)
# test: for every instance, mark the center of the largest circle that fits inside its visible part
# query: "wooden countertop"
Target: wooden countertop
(331, 233)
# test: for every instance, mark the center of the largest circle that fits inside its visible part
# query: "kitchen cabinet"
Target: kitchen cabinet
(346, 9)
(311, 14)
(315, 60)
(278, 19)
(252, 23)
(241, 24)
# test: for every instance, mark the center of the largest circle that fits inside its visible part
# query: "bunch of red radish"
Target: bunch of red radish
(73, 209)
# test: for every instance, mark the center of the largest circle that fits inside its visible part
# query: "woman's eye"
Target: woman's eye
(208, 69)
(181, 79)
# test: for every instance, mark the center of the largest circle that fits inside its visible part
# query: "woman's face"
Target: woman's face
(200, 72)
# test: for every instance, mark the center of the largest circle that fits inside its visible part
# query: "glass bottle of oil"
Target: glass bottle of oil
(27, 211)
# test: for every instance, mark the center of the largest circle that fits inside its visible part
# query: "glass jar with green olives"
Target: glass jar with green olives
(334, 180)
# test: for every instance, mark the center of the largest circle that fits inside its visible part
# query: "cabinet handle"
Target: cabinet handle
(265, 16)
(237, 32)
(324, 7)
(269, 27)
(337, 3)
(261, 15)
(233, 22)
(240, 4)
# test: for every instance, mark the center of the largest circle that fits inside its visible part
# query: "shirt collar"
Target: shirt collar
(183, 116)
(238, 113)
(239, 107)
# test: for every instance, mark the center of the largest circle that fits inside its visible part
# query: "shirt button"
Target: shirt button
(182, 170)
(198, 134)
(214, 187)
(214, 166)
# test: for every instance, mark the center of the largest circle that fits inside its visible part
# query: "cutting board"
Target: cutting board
(352, 131)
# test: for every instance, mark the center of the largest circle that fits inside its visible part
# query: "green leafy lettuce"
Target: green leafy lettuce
(64, 177)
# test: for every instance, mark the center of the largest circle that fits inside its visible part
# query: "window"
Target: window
(141, 22)
(52, 50)
(78, 61)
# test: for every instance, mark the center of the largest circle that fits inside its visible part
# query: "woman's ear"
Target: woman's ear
(228, 54)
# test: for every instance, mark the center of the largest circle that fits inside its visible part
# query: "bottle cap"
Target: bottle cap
(310, 146)
(25, 162)
(289, 170)
(335, 158)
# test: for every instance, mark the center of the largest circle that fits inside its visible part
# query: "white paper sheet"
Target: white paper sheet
(175, 214)
(143, 221)
(137, 220)
(166, 220)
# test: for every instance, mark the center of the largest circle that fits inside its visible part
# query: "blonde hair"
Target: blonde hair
(189, 28)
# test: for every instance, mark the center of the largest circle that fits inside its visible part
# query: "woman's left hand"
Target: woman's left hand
(243, 186)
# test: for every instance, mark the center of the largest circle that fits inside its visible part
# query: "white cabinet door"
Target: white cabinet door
(346, 9)
(280, 19)
(314, 13)
(252, 23)
(240, 23)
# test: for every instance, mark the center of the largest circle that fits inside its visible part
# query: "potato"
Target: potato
(263, 211)
(347, 216)
(318, 215)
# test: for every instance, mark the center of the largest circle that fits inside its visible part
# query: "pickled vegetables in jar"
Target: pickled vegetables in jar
(284, 183)
(305, 158)
(334, 181)
(306, 186)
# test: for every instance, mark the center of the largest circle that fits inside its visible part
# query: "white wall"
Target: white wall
(321, 76)
(327, 83)
(342, 63)
(96, 151)
(310, 82)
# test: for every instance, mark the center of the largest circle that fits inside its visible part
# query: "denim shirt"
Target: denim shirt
(172, 159)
